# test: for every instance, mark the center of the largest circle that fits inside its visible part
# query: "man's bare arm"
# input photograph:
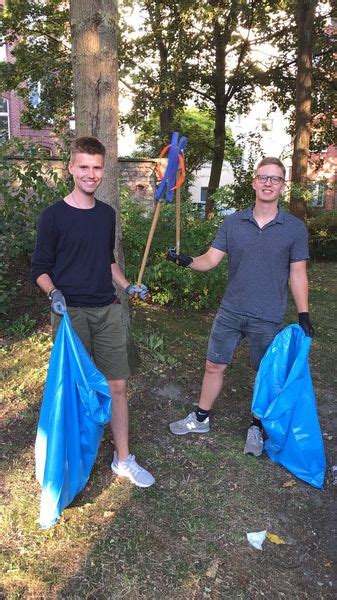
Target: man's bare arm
(298, 281)
(45, 283)
(207, 261)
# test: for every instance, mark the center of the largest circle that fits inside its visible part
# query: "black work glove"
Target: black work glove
(180, 259)
(304, 321)
(58, 303)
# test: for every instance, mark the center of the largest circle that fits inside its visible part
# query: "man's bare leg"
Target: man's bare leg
(120, 432)
(211, 384)
(198, 421)
(120, 418)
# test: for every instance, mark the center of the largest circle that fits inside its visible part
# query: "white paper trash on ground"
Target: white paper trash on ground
(256, 538)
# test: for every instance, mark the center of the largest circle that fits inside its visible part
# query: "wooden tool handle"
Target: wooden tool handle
(148, 243)
(178, 219)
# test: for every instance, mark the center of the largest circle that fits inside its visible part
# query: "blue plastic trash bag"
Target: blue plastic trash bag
(76, 404)
(284, 400)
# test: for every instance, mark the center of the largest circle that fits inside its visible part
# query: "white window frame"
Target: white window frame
(318, 189)
(6, 114)
(35, 94)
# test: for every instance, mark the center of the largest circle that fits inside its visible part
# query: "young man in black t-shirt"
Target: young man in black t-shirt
(74, 264)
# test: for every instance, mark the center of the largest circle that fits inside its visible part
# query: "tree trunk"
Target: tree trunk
(305, 14)
(166, 123)
(94, 34)
(220, 116)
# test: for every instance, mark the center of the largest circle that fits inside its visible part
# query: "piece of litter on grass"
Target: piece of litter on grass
(289, 483)
(256, 538)
(272, 537)
(213, 568)
(108, 513)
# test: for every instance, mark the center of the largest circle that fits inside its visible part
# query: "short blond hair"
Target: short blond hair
(271, 160)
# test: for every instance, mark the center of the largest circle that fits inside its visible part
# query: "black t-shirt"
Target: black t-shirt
(75, 247)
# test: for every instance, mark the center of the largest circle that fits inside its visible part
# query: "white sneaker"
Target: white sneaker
(130, 468)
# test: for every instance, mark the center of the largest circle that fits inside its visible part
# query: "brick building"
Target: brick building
(11, 106)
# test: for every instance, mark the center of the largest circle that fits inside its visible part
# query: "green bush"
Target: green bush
(323, 235)
(168, 283)
(27, 186)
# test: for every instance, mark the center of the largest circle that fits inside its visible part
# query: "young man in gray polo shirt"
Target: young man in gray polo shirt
(266, 249)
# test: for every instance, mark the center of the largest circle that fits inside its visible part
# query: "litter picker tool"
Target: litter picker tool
(170, 181)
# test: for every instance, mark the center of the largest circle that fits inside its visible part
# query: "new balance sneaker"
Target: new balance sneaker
(254, 441)
(189, 425)
(131, 469)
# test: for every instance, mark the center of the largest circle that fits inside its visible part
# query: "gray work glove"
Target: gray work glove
(58, 303)
(134, 289)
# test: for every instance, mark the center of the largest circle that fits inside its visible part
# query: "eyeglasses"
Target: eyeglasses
(274, 179)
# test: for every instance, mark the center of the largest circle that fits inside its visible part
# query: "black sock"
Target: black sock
(256, 422)
(201, 414)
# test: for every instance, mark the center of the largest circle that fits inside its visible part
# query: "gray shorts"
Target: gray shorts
(229, 329)
(102, 332)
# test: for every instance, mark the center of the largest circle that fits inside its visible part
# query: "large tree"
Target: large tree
(94, 27)
(159, 58)
(200, 51)
(305, 15)
(94, 35)
(303, 86)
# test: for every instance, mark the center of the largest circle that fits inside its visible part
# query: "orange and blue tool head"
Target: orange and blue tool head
(175, 160)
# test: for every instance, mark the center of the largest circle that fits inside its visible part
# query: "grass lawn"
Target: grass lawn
(186, 536)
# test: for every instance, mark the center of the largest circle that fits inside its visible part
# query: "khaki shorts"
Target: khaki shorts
(102, 332)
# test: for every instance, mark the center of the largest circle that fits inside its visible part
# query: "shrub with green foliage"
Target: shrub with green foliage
(168, 283)
(27, 186)
(323, 235)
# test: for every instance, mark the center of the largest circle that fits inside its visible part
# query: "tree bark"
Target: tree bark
(94, 35)
(305, 14)
(220, 117)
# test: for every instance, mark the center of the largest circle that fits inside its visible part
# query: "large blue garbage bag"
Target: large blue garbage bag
(76, 404)
(284, 400)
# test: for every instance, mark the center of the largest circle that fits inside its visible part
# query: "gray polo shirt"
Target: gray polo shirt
(259, 262)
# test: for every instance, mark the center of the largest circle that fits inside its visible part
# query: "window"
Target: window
(318, 189)
(35, 95)
(3, 56)
(203, 195)
(4, 119)
(264, 125)
(2, 50)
